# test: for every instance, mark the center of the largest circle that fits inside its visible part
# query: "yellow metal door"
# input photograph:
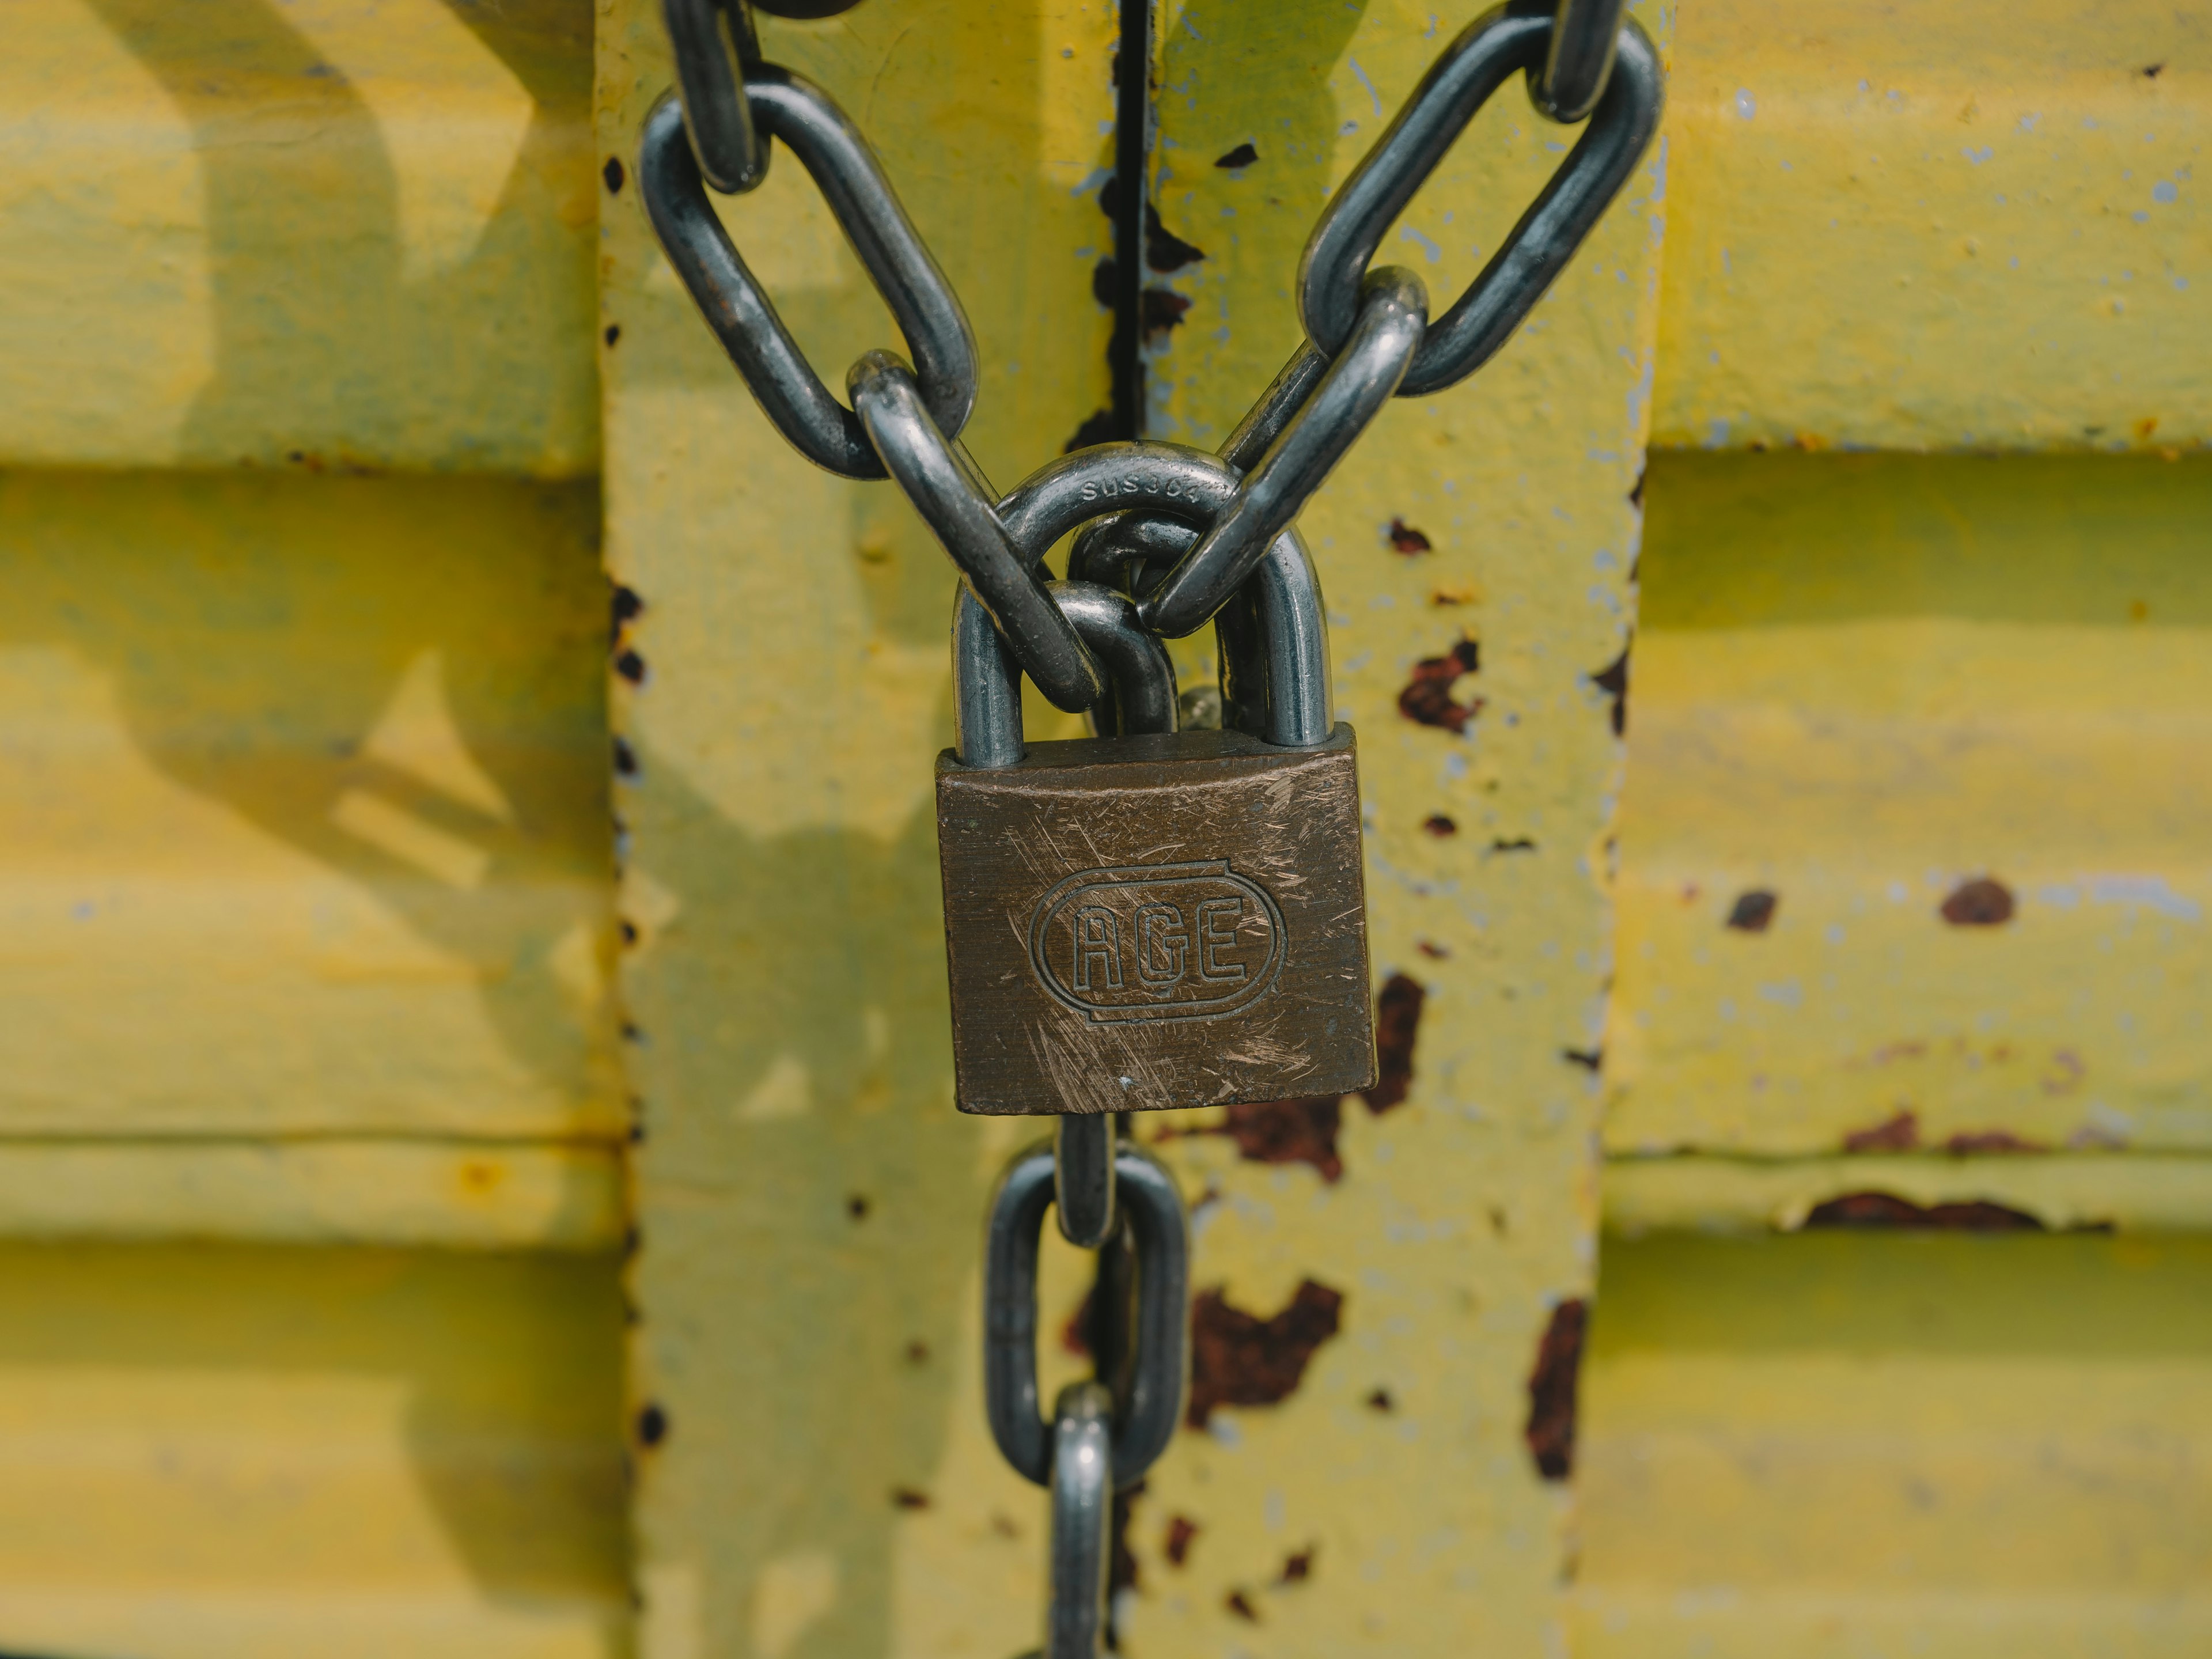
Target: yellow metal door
(477, 1168)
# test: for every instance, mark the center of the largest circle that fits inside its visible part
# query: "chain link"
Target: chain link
(1168, 538)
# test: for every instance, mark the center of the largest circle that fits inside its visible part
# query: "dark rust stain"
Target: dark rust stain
(1162, 313)
(1380, 1400)
(632, 1032)
(630, 666)
(1236, 1603)
(1404, 538)
(1427, 698)
(1397, 1024)
(1900, 1133)
(1287, 1132)
(1103, 280)
(1613, 680)
(613, 173)
(1589, 1060)
(1983, 901)
(652, 1425)
(1003, 1524)
(917, 1352)
(907, 1497)
(1636, 500)
(1096, 429)
(625, 757)
(1297, 1569)
(1518, 844)
(1752, 912)
(1439, 826)
(629, 929)
(1968, 1142)
(857, 1207)
(1239, 1360)
(1182, 1532)
(1163, 250)
(1433, 951)
(624, 608)
(1876, 1210)
(1243, 157)
(2151, 71)
(1551, 1390)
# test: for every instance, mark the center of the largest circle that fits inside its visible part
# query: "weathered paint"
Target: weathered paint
(1971, 225)
(1841, 1444)
(1389, 1504)
(226, 1452)
(810, 1204)
(341, 232)
(1862, 684)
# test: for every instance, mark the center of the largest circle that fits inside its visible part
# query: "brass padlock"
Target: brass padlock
(1164, 918)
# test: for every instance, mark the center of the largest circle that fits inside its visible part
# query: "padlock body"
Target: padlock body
(1139, 923)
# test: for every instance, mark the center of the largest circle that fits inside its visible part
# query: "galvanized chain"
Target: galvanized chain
(1169, 538)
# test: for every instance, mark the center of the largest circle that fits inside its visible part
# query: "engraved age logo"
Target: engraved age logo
(1157, 941)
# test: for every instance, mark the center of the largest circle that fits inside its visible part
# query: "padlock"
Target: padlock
(1164, 918)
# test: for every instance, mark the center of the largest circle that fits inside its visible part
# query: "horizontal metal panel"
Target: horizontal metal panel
(480, 1196)
(328, 233)
(1836, 1445)
(1709, 1195)
(303, 818)
(1968, 225)
(237, 1452)
(1912, 850)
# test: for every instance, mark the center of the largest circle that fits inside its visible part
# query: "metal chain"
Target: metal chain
(1169, 538)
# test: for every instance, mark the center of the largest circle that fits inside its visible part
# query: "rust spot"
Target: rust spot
(652, 1425)
(1969, 1142)
(1636, 500)
(1752, 912)
(1244, 155)
(613, 173)
(631, 666)
(1589, 1060)
(1404, 538)
(1379, 1399)
(1433, 951)
(1004, 1525)
(1237, 1359)
(1104, 282)
(1874, 1210)
(1518, 844)
(1297, 1569)
(480, 1176)
(1397, 1022)
(907, 1497)
(1456, 593)
(1164, 250)
(1182, 1532)
(1096, 429)
(1981, 903)
(1551, 1389)
(1900, 1133)
(1613, 680)
(917, 1352)
(1162, 313)
(2151, 72)
(625, 608)
(1439, 826)
(613, 333)
(1237, 1604)
(857, 1207)
(1288, 1132)
(631, 1032)
(625, 758)
(1427, 698)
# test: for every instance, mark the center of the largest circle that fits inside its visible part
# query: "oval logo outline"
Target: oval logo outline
(1254, 983)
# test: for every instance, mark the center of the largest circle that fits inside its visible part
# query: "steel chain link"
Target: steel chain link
(1169, 538)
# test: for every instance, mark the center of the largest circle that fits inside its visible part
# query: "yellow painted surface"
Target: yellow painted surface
(809, 1203)
(1973, 224)
(225, 1450)
(1860, 682)
(455, 1194)
(1846, 1445)
(323, 232)
(302, 807)
(1711, 1194)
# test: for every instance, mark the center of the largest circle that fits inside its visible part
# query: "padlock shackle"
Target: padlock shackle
(987, 681)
